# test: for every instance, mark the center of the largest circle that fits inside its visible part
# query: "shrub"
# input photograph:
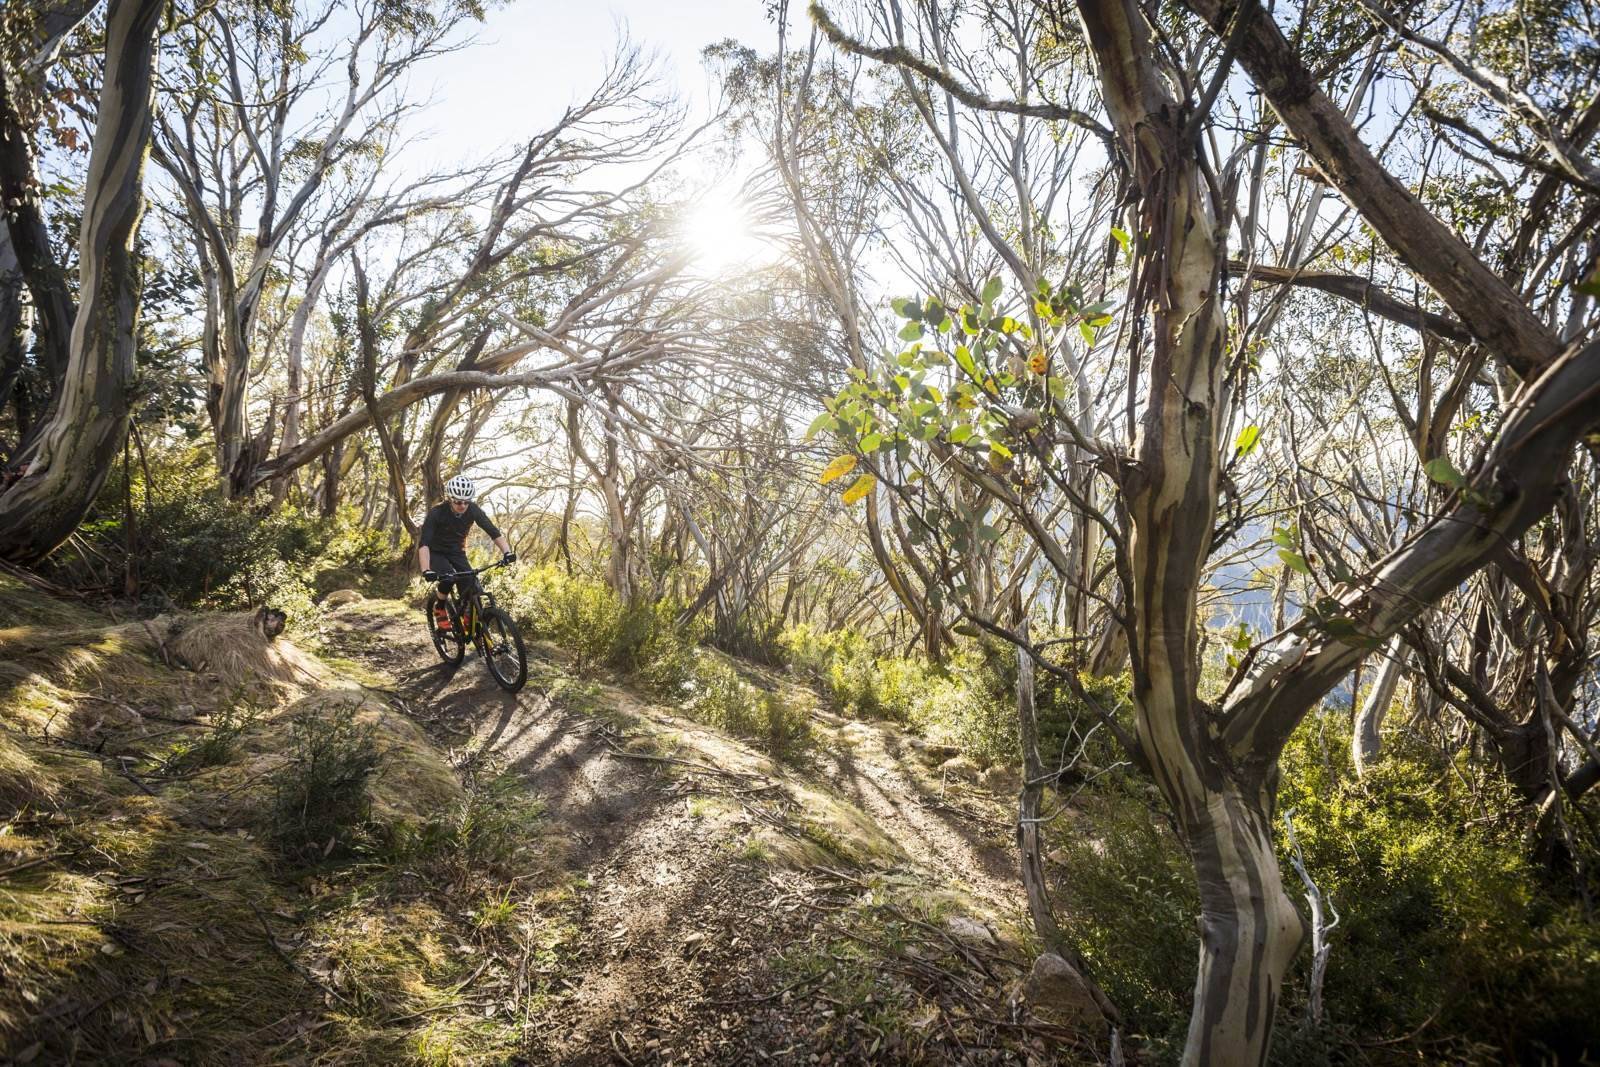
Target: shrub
(965, 703)
(479, 837)
(219, 742)
(590, 621)
(196, 549)
(1130, 908)
(724, 700)
(322, 802)
(1452, 946)
(1447, 928)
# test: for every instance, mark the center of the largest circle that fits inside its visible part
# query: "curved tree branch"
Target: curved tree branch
(897, 56)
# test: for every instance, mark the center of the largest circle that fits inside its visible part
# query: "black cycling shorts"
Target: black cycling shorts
(445, 562)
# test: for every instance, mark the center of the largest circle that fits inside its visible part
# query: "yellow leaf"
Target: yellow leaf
(1038, 362)
(859, 488)
(841, 466)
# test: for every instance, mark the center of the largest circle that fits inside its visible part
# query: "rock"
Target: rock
(999, 779)
(969, 930)
(959, 768)
(933, 754)
(1057, 993)
(340, 597)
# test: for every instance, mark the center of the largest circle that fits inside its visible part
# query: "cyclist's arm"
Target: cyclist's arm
(480, 517)
(425, 537)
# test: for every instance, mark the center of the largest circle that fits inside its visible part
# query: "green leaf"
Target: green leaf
(998, 449)
(1245, 443)
(825, 421)
(1294, 561)
(907, 308)
(988, 533)
(871, 442)
(964, 361)
(960, 433)
(1441, 470)
(1086, 333)
(1122, 237)
(1284, 538)
(992, 289)
(911, 331)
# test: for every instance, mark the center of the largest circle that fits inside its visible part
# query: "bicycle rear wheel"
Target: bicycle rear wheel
(503, 652)
(451, 646)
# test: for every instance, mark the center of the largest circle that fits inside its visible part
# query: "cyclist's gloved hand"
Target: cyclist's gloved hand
(510, 557)
(430, 576)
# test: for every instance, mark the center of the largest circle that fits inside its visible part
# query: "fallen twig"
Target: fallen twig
(36, 861)
(706, 767)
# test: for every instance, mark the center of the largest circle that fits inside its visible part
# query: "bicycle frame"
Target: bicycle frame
(470, 608)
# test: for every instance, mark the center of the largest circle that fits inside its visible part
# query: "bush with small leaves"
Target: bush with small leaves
(322, 805)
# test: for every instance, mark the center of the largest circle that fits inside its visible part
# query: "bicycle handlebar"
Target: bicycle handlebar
(445, 576)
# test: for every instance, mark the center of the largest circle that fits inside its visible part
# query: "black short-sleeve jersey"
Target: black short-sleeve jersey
(445, 531)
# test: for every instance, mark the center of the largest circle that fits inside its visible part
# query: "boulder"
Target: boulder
(969, 930)
(340, 597)
(958, 769)
(1055, 992)
(999, 779)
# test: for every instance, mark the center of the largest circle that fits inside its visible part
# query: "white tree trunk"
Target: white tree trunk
(1367, 741)
(73, 453)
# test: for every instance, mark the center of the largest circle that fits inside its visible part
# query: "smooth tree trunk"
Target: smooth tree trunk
(30, 240)
(1367, 741)
(13, 348)
(74, 451)
(394, 463)
(1249, 928)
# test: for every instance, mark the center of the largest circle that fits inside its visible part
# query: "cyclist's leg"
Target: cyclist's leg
(453, 561)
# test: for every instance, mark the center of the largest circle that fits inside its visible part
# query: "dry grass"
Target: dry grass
(139, 927)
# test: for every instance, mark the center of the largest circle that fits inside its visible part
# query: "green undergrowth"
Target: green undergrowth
(1451, 947)
(193, 549)
(646, 645)
(212, 852)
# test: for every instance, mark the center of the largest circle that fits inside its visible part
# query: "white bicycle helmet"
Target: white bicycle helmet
(460, 488)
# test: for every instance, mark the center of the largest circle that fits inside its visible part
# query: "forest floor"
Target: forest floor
(617, 884)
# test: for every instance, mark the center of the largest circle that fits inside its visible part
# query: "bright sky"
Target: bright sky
(534, 57)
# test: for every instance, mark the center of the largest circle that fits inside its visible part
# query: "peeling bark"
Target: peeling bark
(74, 451)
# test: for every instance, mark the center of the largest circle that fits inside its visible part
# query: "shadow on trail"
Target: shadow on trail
(932, 824)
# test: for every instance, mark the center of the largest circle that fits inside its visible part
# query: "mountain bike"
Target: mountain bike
(474, 617)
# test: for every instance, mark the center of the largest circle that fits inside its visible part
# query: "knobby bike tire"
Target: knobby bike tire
(503, 651)
(451, 646)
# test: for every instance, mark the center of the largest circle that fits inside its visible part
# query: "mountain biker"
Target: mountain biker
(444, 538)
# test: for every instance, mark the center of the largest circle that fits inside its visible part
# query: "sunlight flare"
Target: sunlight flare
(721, 235)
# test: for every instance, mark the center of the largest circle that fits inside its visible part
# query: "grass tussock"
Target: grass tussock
(233, 648)
(166, 887)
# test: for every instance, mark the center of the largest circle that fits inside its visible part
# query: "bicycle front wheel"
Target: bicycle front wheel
(503, 652)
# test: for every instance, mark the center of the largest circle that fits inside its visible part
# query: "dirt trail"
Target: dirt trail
(662, 932)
